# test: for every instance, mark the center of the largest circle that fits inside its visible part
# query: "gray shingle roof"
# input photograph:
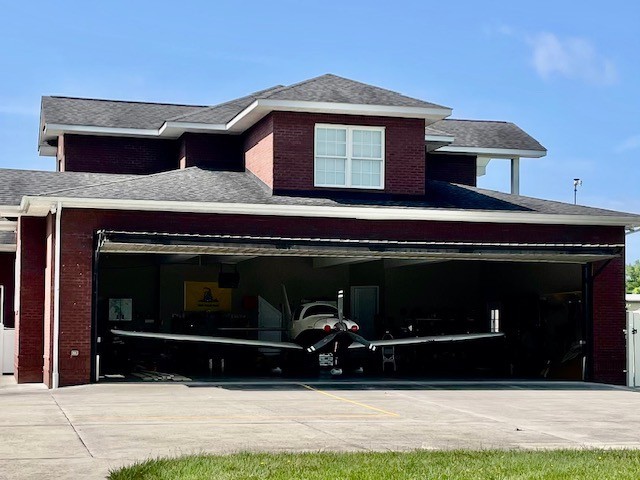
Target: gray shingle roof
(123, 114)
(110, 113)
(199, 185)
(485, 134)
(334, 89)
(7, 238)
(14, 184)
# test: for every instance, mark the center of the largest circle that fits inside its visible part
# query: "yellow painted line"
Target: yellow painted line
(375, 409)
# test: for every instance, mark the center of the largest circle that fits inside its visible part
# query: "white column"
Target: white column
(515, 176)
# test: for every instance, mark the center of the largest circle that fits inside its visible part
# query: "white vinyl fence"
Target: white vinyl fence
(7, 340)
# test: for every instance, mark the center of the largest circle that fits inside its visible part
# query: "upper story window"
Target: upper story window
(349, 156)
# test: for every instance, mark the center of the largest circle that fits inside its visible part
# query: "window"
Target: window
(349, 157)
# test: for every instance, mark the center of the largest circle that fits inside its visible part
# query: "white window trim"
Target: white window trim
(350, 129)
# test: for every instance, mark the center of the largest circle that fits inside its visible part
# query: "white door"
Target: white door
(633, 349)
(364, 308)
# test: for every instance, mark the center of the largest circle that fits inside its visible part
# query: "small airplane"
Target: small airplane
(314, 327)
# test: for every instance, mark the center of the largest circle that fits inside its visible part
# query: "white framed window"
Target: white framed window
(349, 156)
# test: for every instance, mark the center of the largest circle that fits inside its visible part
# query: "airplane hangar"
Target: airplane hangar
(166, 221)
(532, 292)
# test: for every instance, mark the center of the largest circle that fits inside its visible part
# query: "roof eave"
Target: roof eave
(493, 152)
(261, 107)
(40, 206)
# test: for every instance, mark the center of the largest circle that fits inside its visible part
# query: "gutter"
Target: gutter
(40, 206)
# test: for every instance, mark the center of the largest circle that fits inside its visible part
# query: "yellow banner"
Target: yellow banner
(206, 296)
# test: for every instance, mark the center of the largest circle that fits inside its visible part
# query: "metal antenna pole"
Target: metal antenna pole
(576, 183)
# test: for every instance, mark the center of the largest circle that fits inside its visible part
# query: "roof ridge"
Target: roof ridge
(211, 107)
(130, 178)
(308, 80)
(363, 84)
(125, 101)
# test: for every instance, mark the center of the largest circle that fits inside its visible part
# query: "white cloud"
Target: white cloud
(573, 58)
(630, 143)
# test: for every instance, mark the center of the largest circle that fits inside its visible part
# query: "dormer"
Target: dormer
(331, 134)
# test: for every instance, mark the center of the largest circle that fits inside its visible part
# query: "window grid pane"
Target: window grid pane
(332, 157)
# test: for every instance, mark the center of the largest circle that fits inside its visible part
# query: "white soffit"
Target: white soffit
(492, 152)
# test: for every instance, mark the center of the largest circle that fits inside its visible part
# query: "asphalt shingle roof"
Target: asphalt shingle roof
(14, 184)
(110, 113)
(199, 185)
(334, 89)
(485, 134)
(123, 114)
(7, 238)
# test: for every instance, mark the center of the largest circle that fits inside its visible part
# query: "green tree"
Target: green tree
(633, 277)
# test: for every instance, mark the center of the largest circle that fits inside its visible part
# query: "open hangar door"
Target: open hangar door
(532, 293)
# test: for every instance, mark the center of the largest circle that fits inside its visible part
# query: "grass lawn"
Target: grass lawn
(458, 465)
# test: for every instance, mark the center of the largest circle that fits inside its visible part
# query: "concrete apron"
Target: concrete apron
(82, 432)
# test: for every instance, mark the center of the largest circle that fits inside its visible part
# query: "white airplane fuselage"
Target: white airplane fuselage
(308, 326)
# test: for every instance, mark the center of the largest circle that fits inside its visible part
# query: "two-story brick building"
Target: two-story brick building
(324, 185)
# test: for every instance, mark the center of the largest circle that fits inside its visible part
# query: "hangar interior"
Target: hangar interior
(537, 305)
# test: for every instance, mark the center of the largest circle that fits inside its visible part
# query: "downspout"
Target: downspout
(55, 376)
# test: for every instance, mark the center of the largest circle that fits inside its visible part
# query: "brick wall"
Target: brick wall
(7, 278)
(609, 320)
(88, 153)
(215, 151)
(78, 227)
(258, 150)
(451, 168)
(29, 316)
(293, 147)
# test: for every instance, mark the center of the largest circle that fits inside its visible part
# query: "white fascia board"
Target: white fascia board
(10, 210)
(439, 138)
(8, 226)
(493, 152)
(55, 129)
(47, 151)
(40, 206)
(355, 109)
(176, 129)
(261, 107)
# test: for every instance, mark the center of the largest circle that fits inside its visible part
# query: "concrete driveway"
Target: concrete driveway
(82, 432)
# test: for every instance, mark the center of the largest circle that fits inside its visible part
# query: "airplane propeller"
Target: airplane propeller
(324, 341)
(329, 338)
(363, 341)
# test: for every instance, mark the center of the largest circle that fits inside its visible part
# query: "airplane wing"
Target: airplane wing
(206, 339)
(430, 339)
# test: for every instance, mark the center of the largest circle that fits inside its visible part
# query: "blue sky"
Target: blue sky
(568, 75)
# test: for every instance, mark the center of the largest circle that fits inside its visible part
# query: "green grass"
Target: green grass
(457, 464)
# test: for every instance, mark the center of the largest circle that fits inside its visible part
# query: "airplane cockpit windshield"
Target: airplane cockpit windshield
(320, 310)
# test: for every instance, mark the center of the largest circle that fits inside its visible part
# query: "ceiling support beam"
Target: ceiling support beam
(324, 262)
(396, 262)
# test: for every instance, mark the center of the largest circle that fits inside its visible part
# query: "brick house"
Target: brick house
(329, 182)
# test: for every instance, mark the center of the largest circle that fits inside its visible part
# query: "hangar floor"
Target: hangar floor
(82, 432)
